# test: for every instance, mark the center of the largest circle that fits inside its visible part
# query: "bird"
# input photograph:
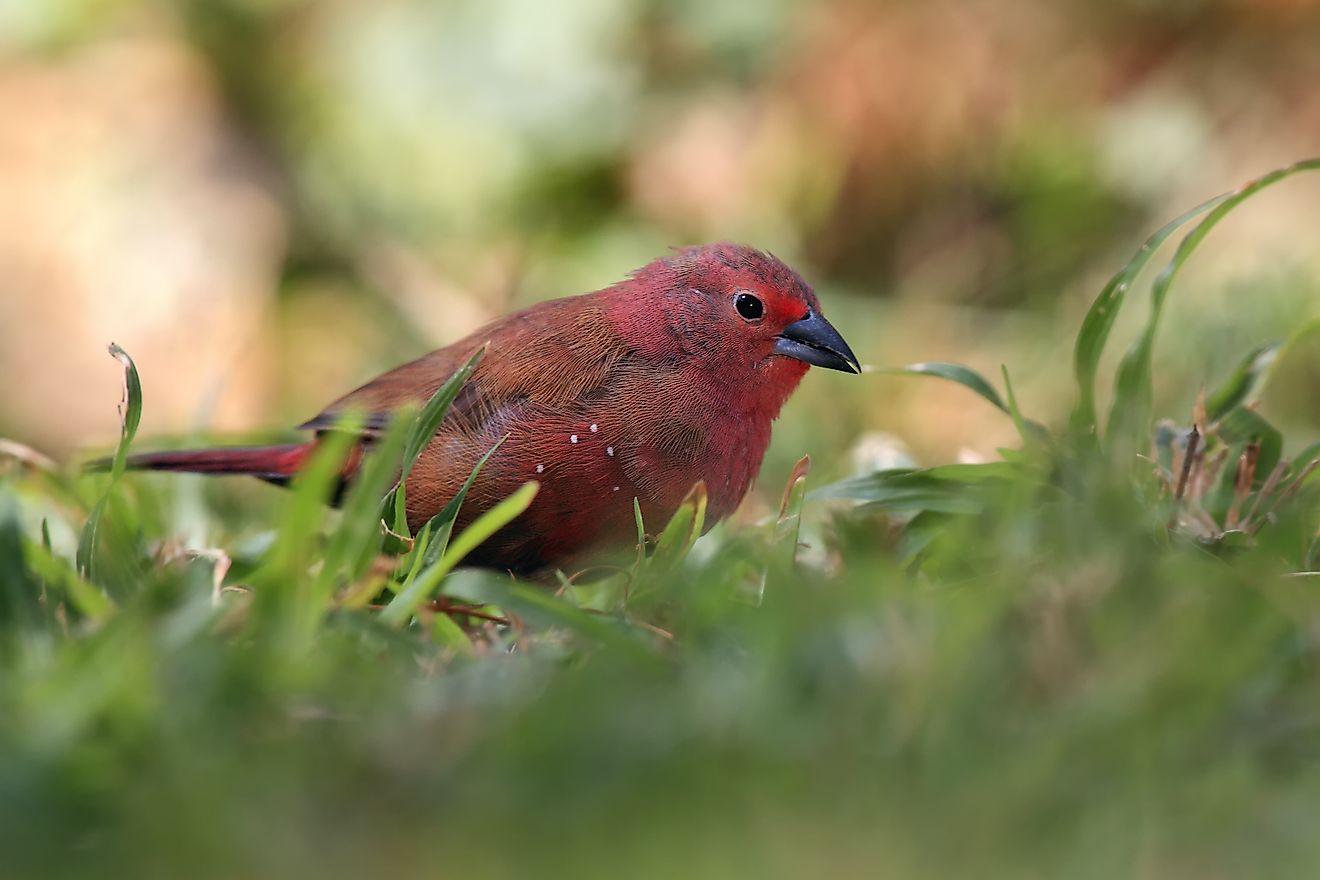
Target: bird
(635, 391)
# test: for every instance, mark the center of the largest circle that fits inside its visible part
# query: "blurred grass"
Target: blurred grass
(1055, 664)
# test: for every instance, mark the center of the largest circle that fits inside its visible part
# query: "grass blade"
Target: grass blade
(540, 607)
(964, 376)
(1243, 425)
(442, 524)
(130, 415)
(1030, 431)
(1129, 418)
(681, 532)
(358, 538)
(405, 604)
(947, 489)
(641, 536)
(287, 589)
(788, 524)
(90, 602)
(423, 431)
(1099, 320)
(1244, 380)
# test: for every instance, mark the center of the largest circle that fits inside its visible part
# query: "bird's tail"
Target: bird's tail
(274, 464)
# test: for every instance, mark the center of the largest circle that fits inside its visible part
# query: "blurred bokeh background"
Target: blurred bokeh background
(267, 201)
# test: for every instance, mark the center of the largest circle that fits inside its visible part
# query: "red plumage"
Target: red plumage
(637, 390)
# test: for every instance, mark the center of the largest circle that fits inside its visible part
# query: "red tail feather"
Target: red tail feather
(276, 464)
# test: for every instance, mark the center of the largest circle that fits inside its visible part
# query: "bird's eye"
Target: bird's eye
(749, 306)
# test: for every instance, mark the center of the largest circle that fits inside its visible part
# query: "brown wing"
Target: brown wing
(552, 354)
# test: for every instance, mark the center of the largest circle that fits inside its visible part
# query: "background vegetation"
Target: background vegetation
(1079, 643)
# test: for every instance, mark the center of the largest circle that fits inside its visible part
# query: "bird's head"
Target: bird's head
(735, 311)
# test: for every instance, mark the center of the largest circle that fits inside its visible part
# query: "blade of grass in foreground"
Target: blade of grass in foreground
(976, 383)
(358, 538)
(286, 590)
(1030, 431)
(964, 376)
(1243, 381)
(1130, 415)
(954, 488)
(1099, 320)
(130, 415)
(788, 524)
(90, 601)
(404, 605)
(394, 508)
(682, 530)
(433, 540)
(442, 524)
(538, 606)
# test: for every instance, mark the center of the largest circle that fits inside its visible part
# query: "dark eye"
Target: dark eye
(749, 306)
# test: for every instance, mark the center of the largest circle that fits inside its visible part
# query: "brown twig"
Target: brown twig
(1207, 475)
(651, 627)
(390, 533)
(1193, 444)
(26, 455)
(1246, 476)
(454, 609)
(1271, 483)
(571, 580)
(1301, 478)
(444, 606)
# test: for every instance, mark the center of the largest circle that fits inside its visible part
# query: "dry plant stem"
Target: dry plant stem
(443, 606)
(220, 564)
(800, 472)
(1193, 445)
(1246, 475)
(1267, 490)
(1288, 491)
(390, 533)
(1198, 465)
(1301, 478)
(1208, 524)
(458, 609)
(1207, 475)
(652, 628)
(649, 627)
(571, 580)
(26, 455)
(1158, 472)
(1194, 494)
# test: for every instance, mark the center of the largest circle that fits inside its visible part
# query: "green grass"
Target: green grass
(1095, 657)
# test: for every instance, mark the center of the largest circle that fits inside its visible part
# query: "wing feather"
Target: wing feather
(553, 354)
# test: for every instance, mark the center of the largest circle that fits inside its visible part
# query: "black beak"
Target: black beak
(815, 341)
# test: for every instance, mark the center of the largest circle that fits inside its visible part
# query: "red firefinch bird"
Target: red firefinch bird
(638, 390)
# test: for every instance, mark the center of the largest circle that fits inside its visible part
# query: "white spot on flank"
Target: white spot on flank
(609, 450)
(616, 488)
(572, 438)
(540, 468)
(593, 427)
